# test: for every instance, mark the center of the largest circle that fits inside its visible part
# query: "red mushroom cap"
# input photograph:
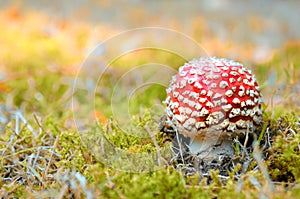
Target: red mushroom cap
(212, 93)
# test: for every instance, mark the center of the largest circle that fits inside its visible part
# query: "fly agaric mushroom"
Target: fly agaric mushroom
(211, 101)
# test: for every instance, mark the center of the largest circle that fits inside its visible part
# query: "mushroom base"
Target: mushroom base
(210, 148)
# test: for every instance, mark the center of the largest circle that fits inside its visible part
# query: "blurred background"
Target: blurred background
(263, 25)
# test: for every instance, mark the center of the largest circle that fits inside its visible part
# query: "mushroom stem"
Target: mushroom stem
(209, 148)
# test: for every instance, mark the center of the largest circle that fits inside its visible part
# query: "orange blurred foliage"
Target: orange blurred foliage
(13, 13)
(3, 87)
(97, 115)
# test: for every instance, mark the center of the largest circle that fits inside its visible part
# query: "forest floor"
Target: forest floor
(65, 134)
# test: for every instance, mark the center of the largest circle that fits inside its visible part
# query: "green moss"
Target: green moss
(159, 184)
(71, 151)
(285, 158)
(15, 191)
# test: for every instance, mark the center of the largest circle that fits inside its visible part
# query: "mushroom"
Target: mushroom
(212, 100)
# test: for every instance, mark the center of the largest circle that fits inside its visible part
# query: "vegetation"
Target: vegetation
(44, 155)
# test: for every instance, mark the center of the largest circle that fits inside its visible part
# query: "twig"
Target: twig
(179, 144)
(155, 144)
(242, 146)
(263, 168)
(19, 115)
(51, 155)
(38, 122)
(245, 142)
(62, 192)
